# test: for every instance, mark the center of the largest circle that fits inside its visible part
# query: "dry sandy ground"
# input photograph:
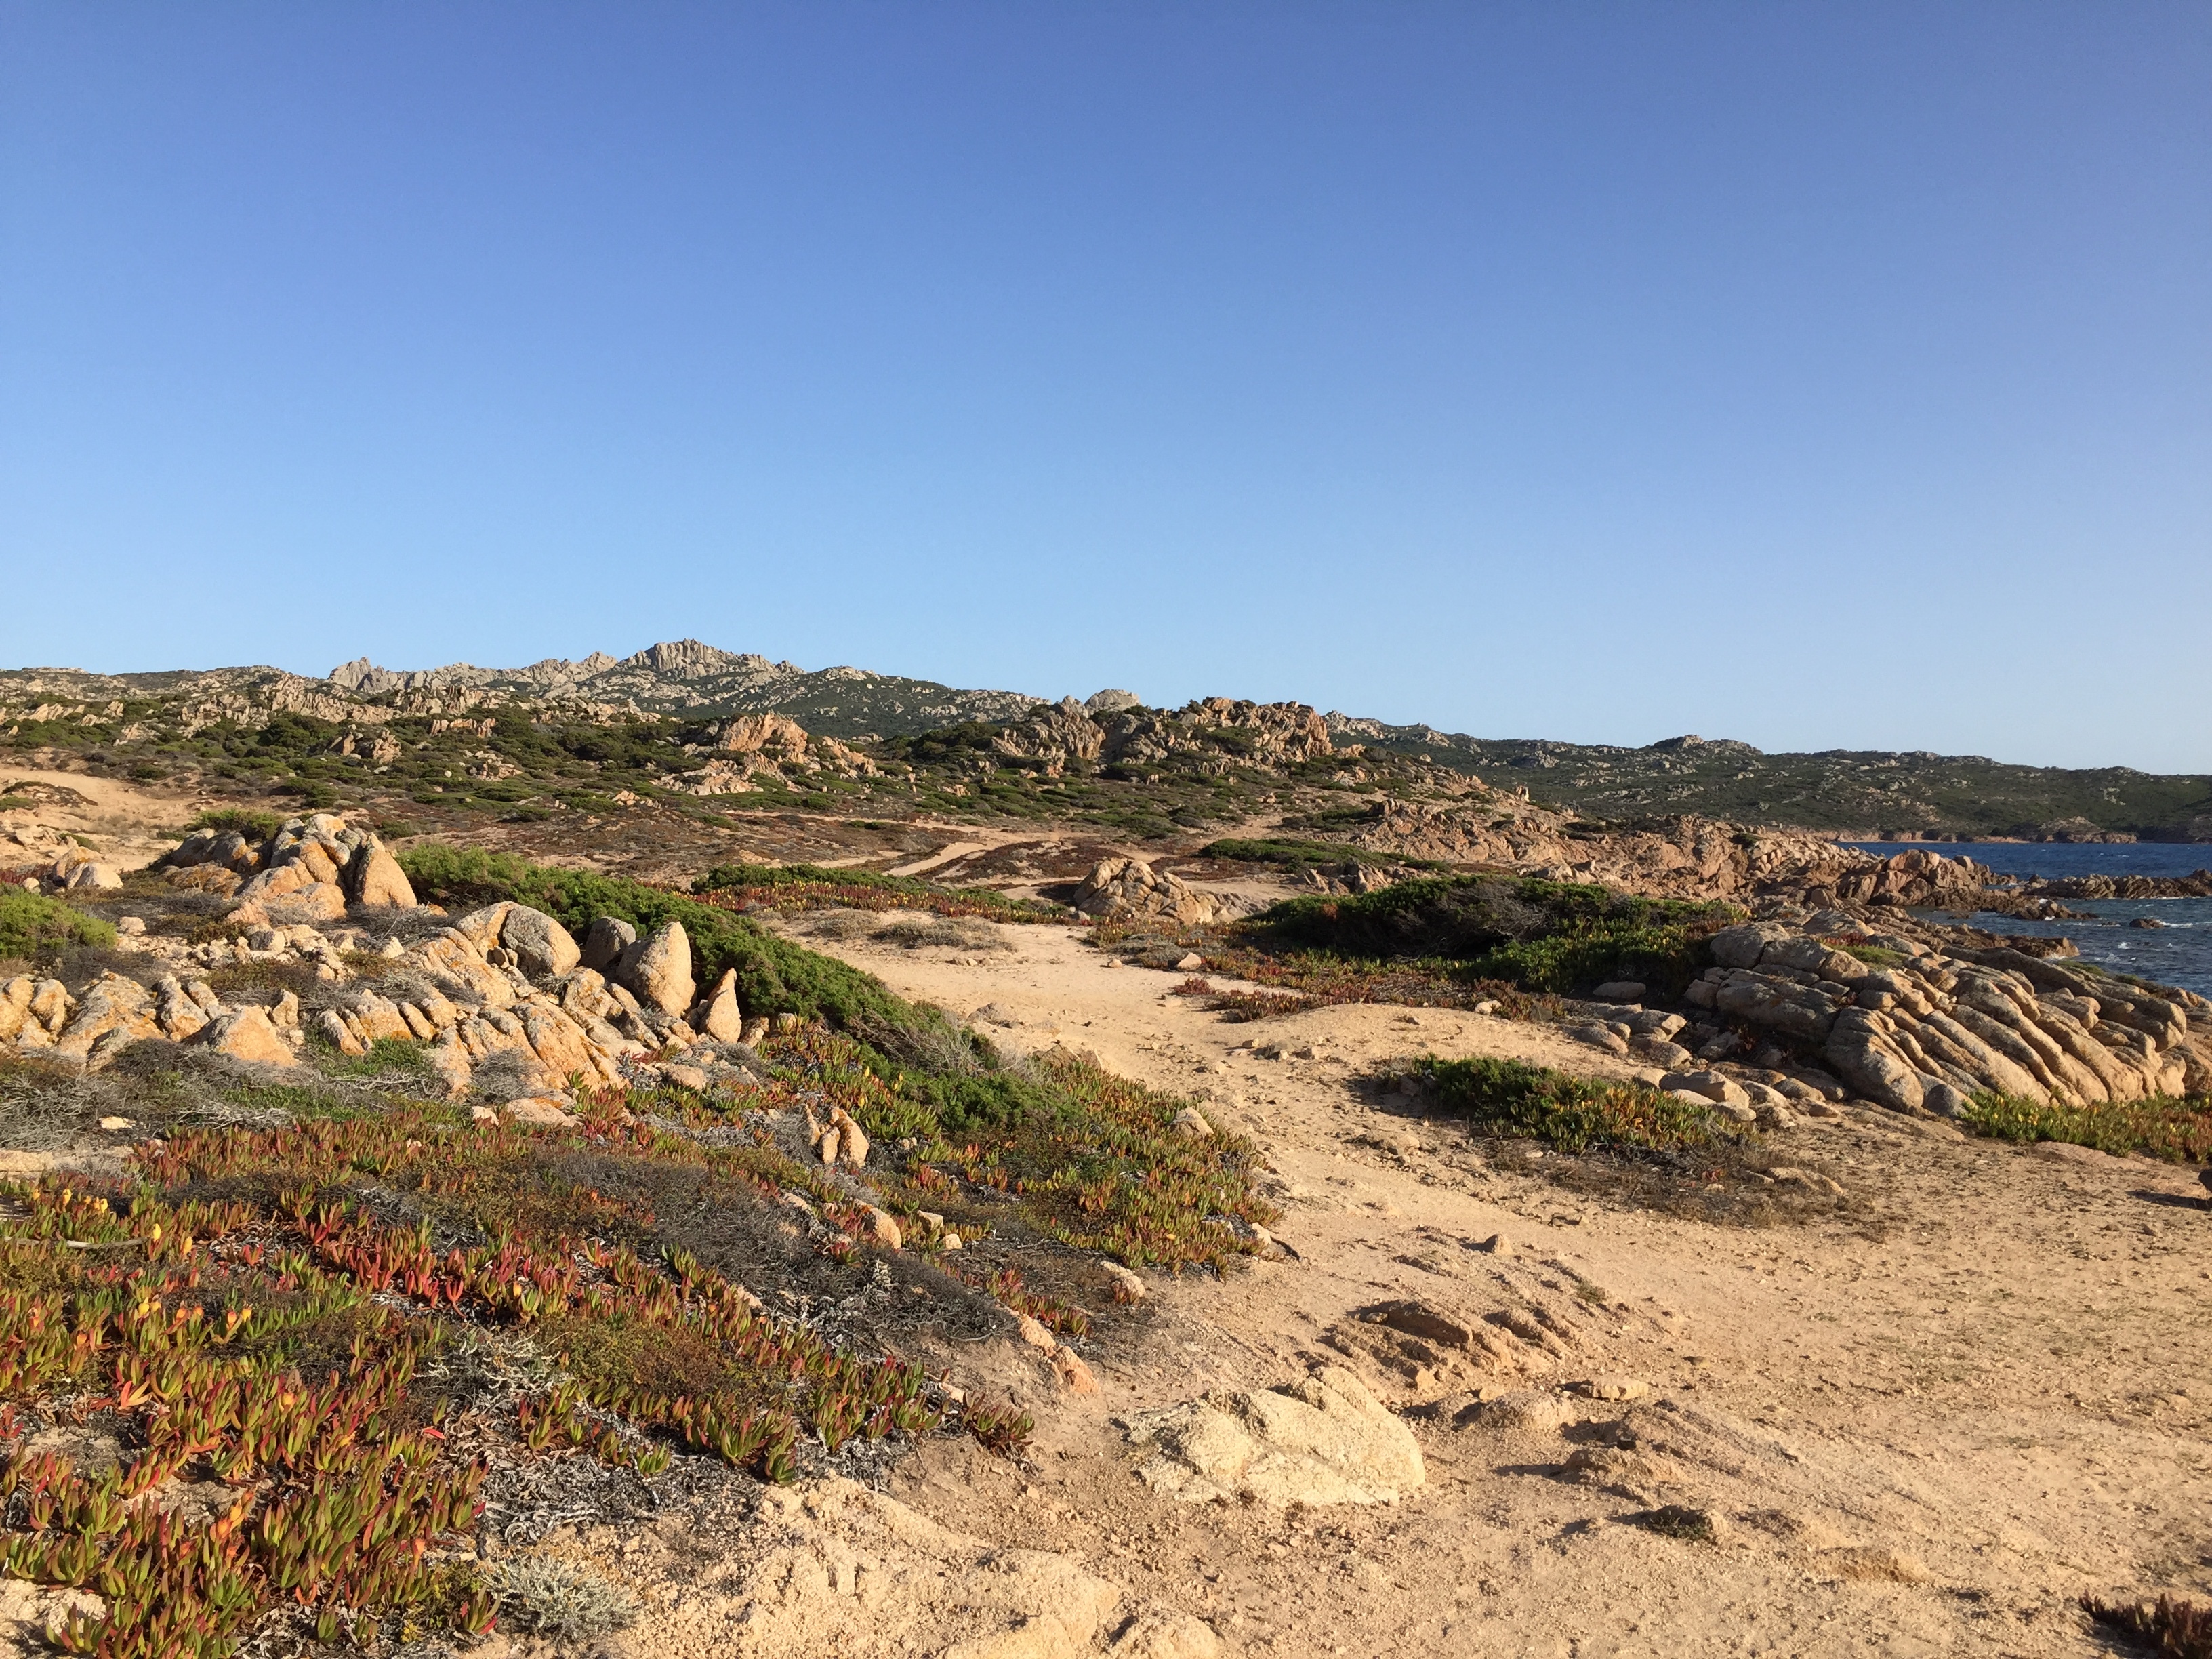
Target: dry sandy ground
(125, 824)
(1928, 1427)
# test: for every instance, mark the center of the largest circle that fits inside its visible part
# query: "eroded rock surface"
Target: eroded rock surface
(1324, 1440)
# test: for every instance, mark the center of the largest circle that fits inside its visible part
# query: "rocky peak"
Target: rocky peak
(1284, 731)
(689, 659)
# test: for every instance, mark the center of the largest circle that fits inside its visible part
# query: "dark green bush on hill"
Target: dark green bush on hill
(1542, 935)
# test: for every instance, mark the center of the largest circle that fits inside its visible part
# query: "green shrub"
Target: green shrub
(1875, 956)
(1302, 853)
(1572, 1114)
(1540, 935)
(251, 825)
(2177, 1130)
(802, 886)
(32, 924)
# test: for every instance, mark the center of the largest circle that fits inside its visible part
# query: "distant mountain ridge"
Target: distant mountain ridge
(693, 684)
(1857, 793)
(688, 676)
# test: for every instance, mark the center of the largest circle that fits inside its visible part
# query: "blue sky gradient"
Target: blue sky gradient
(1818, 375)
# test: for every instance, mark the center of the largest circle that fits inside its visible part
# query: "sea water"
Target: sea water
(2178, 953)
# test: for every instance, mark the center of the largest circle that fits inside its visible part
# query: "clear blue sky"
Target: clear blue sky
(1819, 375)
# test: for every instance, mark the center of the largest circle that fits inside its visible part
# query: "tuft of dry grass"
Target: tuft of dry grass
(2169, 1628)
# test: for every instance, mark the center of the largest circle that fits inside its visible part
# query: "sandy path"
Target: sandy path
(1927, 1436)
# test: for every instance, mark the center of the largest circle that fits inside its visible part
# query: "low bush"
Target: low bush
(1307, 853)
(1570, 1114)
(2177, 1130)
(32, 925)
(246, 821)
(1540, 935)
(810, 886)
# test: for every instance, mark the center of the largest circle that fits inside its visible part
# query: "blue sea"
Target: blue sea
(2179, 953)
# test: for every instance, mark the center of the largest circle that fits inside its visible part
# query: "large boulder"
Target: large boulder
(110, 1003)
(379, 883)
(248, 1035)
(1862, 1052)
(541, 945)
(719, 1015)
(1119, 887)
(605, 941)
(657, 970)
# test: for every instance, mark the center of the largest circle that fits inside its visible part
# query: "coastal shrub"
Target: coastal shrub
(2178, 1130)
(808, 886)
(1570, 1114)
(1540, 935)
(32, 925)
(253, 825)
(1296, 854)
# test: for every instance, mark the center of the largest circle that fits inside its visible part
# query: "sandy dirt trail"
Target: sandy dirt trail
(1926, 1427)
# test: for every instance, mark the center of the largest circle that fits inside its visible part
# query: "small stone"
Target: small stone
(884, 1229)
(1190, 962)
(112, 1123)
(1034, 1333)
(548, 1110)
(1712, 1086)
(1496, 1244)
(1189, 1124)
(851, 1139)
(1073, 1372)
(130, 926)
(2066, 1152)
(541, 945)
(1620, 990)
(1165, 1632)
(687, 1076)
(380, 883)
(1126, 1285)
(1613, 1388)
